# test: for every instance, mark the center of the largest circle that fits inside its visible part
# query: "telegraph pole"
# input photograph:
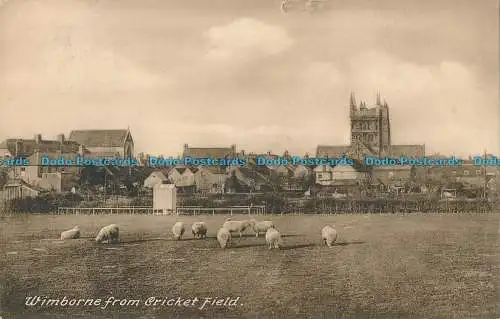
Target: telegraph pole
(485, 176)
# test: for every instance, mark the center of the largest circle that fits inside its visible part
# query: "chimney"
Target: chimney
(186, 147)
(18, 147)
(38, 138)
(60, 138)
(233, 148)
(81, 150)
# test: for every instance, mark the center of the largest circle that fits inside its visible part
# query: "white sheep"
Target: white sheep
(72, 233)
(273, 238)
(238, 226)
(329, 235)
(224, 237)
(261, 226)
(109, 233)
(199, 230)
(178, 230)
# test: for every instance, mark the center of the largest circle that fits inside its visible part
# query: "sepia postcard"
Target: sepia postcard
(249, 159)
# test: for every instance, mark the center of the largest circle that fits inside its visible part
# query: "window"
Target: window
(453, 172)
(466, 173)
(23, 169)
(478, 172)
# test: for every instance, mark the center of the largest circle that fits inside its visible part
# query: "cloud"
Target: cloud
(246, 38)
(443, 105)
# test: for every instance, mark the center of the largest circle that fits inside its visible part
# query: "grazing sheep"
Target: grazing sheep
(199, 230)
(224, 237)
(273, 238)
(236, 226)
(178, 230)
(72, 233)
(261, 226)
(109, 233)
(329, 235)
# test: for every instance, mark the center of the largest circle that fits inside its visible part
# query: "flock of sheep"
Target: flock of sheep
(110, 233)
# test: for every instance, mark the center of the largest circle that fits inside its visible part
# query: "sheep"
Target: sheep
(261, 226)
(329, 235)
(72, 233)
(109, 233)
(224, 237)
(273, 238)
(236, 226)
(178, 230)
(199, 230)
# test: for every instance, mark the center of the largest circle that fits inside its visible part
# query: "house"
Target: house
(392, 175)
(210, 179)
(26, 147)
(105, 143)
(156, 177)
(182, 176)
(58, 178)
(16, 189)
(250, 177)
(355, 172)
(286, 171)
(209, 152)
(234, 185)
(302, 172)
(58, 181)
(326, 175)
(467, 173)
(323, 174)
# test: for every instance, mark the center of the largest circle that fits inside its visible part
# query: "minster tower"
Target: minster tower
(371, 126)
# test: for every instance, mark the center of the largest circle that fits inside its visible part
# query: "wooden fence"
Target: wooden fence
(144, 210)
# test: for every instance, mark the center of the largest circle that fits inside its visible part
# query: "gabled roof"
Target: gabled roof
(360, 147)
(99, 138)
(159, 174)
(213, 169)
(323, 168)
(26, 147)
(209, 152)
(251, 174)
(182, 169)
(22, 183)
(331, 150)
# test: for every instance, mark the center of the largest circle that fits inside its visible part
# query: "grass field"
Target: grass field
(384, 266)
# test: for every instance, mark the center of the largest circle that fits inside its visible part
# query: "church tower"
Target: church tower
(371, 126)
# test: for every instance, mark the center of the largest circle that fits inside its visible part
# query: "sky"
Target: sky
(222, 72)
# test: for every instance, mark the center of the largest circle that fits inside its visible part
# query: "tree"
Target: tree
(4, 177)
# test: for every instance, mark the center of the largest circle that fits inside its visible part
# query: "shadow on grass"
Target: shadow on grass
(247, 246)
(347, 243)
(145, 240)
(297, 246)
